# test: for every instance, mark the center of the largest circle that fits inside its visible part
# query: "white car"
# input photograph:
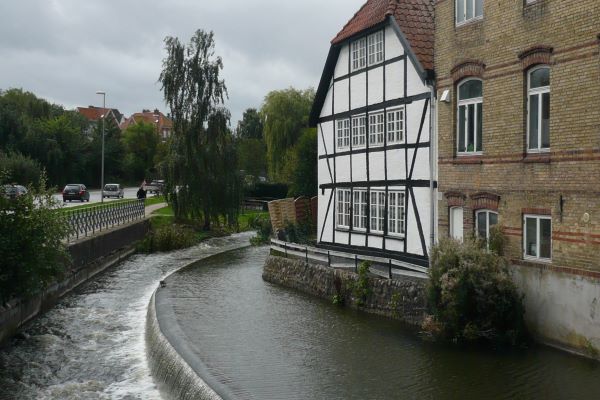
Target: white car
(113, 190)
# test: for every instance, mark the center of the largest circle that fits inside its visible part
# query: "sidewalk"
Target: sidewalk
(154, 207)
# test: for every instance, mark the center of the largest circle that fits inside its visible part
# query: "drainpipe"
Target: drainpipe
(432, 164)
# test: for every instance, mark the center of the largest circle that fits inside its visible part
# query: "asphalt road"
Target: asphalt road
(130, 193)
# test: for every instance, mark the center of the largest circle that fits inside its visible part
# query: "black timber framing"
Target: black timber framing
(417, 183)
(415, 259)
(370, 67)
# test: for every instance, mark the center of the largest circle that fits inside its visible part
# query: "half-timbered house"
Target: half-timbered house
(373, 113)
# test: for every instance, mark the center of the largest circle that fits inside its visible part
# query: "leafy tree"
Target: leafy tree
(252, 156)
(251, 126)
(20, 169)
(300, 168)
(285, 115)
(200, 167)
(141, 145)
(114, 153)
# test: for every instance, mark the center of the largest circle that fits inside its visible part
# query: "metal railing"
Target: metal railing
(83, 222)
(384, 267)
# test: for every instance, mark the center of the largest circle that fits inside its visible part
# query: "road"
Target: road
(130, 193)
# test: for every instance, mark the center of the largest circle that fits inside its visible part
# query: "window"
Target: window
(467, 10)
(343, 208)
(359, 57)
(484, 220)
(456, 223)
(538, 119)
(359, 131)
(395, 126)
(470, 116)
(343, 134)
(537, 239)
(377, 211)
(375, 47)
(376, 122)
(396, 213)
(360, 209)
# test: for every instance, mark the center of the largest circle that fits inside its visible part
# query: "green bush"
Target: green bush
(360, 288)
(300, 232)
(20, 169)
(264, 230)
(168, 237)
(471, 296)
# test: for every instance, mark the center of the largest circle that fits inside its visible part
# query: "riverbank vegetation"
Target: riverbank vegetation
(471, 297)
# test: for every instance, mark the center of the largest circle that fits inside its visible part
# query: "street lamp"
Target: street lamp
(102, 171)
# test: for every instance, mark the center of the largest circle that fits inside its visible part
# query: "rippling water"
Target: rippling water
(261, 341)
(91, 345)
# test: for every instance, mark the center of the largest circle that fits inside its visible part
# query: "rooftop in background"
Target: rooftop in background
(94, 114)
(163, 124)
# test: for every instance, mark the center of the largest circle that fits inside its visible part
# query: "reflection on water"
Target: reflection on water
(91, 345)
(266, 342)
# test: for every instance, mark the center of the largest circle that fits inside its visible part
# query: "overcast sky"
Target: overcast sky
(66, 50)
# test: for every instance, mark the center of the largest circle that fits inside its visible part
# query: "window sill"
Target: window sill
(536, 261)
(468, 22)
(537, 157)
(468, 158)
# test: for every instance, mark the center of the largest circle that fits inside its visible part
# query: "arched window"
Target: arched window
(538, 109)
(484, 220)
(470, 116)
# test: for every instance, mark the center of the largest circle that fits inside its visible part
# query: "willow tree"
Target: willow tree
(200, 167)
(285, 115)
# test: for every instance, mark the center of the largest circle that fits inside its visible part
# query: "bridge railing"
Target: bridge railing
(383, 267)
(89, 220)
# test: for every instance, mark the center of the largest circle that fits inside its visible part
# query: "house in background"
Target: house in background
(163, 124)
(374, 115)
(95, 114)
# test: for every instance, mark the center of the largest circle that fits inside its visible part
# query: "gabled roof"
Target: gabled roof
(94, 114)
(156, 118)
(414, 17)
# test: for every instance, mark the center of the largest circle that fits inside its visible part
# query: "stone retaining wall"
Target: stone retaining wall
(399, 299)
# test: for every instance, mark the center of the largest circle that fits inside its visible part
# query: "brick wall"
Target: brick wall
(499, 48)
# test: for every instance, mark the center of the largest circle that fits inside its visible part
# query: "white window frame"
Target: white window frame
(466, 3)
(359, 131)
(396, 213)
(342, 134)
(375, 48)
(343, 201)
(453, 222)
(487, 222)
(538, 218)
(466, 103)
(376, 129)
(539, 92)
(359, 54)
(396, 125)
(377, 214)
(359, 209)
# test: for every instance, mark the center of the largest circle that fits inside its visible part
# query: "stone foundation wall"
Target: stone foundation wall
(403, 300)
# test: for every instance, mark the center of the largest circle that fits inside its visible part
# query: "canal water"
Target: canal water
(261, 341)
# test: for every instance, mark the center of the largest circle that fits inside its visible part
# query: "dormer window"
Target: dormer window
(468, 10)
(367, 51)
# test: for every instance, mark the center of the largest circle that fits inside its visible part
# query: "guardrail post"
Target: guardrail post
(390, 268)
(328, 259)
(356, 263)
(285, 248)
(306, 254)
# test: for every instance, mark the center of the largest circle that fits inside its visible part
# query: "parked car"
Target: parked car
(113, 190)
(75, 191)
(156, 186)
(13, 191)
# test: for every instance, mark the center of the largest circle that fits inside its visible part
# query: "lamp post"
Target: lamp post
(102, 170)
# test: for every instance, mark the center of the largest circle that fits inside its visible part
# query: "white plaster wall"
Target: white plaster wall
(358, 239)
(341, 68)
(376, 242)
(393, 47)
(326, 110)
(323, 172)
(560, 309)
(376, 85)
(413, 81)
(421, 169)
(394, 244)
(340, 102)
(414, 113)
(326, 130)
(377, 166)
(342, 166)
(341, 237)
(423, 204)
(359, 90)
(359, 167)
(394, 80)
(396, 164)
(322, 210)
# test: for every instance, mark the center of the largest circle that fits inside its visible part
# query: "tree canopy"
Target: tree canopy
(251, 126)
(201, 166)
(141, 143)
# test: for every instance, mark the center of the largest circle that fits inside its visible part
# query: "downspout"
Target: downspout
(432, 164)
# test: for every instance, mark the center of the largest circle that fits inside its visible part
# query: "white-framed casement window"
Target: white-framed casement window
(343, 208)
(359, 209)
(359, 54)
(359, 131)
(456, 223)
(537, 237)
(484, 220)
(395, 126)
(538, 109)
(396, 213)
(375, 48)
(470, 117)
(377, 211)
(376, 125)
(468, 10)
(343, 134)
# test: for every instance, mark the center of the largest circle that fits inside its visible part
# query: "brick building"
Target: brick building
(518, 85)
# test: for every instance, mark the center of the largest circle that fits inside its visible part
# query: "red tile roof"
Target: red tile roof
(414, 17)
(93, 113)
(155, 118)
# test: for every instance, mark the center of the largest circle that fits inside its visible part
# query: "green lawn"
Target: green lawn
(166, 216)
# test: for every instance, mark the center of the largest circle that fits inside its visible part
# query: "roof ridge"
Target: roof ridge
(391, 7)
(354, 16)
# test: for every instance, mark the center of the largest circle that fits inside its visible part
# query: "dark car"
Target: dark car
(75, 191)
(13, 191)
